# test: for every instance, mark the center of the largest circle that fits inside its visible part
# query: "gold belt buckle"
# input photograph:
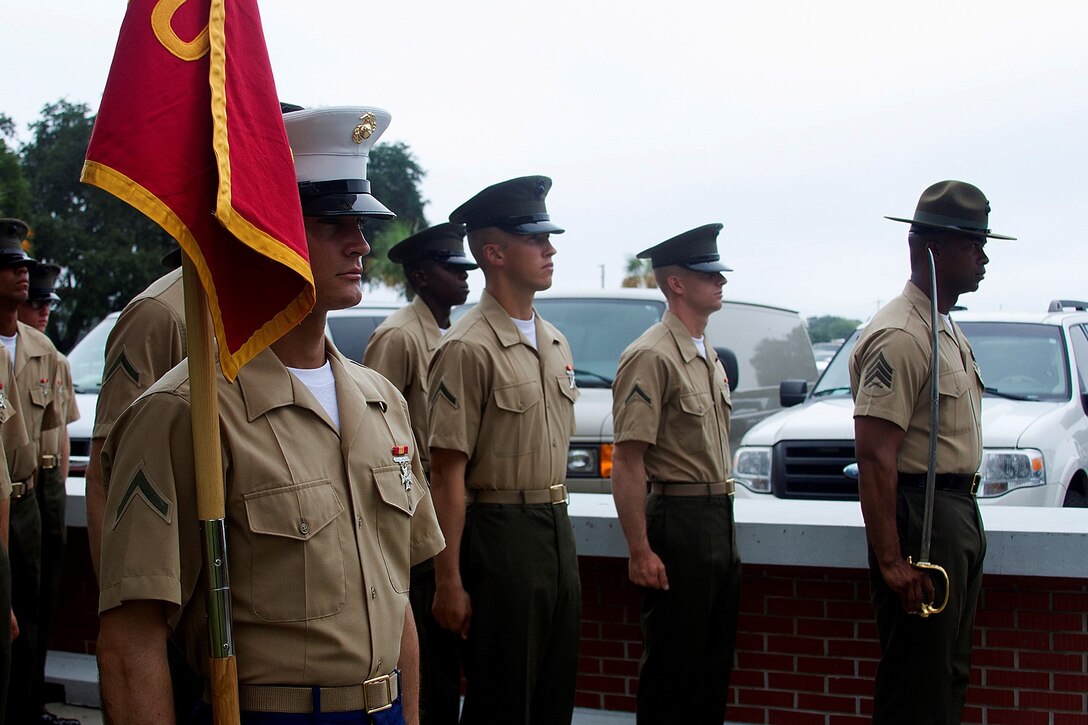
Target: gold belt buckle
(564, 494)
(975, 480)
(730, 487)
(383, 687)
(49, 461)
(18, 489)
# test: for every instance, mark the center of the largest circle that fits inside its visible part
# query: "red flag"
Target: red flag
(190, 133)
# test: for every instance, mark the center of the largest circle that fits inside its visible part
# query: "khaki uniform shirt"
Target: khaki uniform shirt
(506, 406)
(401, 349)
(12, 432)
(322, 527)
(666, 395)
(890, 379)
(36, 364)
(148, 340)
(68, 410)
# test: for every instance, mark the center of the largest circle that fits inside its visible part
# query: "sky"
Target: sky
(797, 125)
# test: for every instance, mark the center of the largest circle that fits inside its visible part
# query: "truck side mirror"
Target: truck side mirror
(729, 362)
(792, 392)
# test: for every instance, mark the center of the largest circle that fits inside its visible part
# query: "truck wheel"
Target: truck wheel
(1075, 498)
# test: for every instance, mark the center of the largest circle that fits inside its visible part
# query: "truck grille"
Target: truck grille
(813, 469)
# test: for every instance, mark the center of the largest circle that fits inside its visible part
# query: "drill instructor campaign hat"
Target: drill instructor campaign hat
(953, 206)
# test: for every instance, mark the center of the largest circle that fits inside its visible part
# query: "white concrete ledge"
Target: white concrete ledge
(1020, 540)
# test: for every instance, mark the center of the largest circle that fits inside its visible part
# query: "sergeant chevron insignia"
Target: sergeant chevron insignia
(140, 486)
(879, 375)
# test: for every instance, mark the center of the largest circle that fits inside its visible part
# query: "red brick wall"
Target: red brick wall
(807, 649)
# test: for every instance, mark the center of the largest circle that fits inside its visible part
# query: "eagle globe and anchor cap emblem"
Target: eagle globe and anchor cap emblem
(368, 124)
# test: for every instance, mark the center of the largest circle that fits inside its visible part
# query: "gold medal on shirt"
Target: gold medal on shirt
(44, 385)
(1, 396)
(402, 459)
(570, 376)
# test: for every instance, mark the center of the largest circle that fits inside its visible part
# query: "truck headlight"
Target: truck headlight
(752, 468)
(590, 461)
(1005, 470)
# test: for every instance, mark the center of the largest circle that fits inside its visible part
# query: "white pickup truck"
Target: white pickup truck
(1034, 418)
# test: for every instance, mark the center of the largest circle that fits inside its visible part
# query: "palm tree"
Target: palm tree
(640, 273)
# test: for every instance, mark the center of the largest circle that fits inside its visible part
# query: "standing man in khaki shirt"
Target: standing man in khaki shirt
(671, 404)
(326, 509)
(925, 665)
(12, 437)
(436, 269)
(501, 415)
(35, 362)
(147, 340)
(53, 472)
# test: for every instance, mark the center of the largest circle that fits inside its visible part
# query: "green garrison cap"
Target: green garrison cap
(696, 250)
(953, 206)
(442, 242)
(12, 234)
(515, 206)
(43, 282)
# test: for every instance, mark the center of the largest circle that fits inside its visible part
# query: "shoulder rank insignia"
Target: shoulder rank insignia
(143, 488)
(879, 374)
(637, 393)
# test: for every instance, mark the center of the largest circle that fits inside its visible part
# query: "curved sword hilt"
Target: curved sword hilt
(927, 608)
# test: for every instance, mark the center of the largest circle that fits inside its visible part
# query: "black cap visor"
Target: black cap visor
(343, 197)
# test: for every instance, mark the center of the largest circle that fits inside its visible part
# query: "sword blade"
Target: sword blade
(934, 409)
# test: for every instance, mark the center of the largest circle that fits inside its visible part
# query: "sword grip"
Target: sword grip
(927, 609)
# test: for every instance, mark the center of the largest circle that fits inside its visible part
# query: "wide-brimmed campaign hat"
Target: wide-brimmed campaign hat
(443, 243)
(12, 234)
(695, 249)
(516, 206)
(953, 206)
(331, 147)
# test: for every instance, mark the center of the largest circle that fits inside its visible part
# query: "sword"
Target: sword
(923, 562)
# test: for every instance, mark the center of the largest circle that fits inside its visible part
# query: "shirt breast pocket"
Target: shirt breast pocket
(695, 423)
(954, 414)
(296, 552)
(517, 430)
(395, 522)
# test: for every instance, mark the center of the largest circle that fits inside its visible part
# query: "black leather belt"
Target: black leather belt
(957, 482)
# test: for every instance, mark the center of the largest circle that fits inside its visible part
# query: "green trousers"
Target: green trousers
(690, 629)
(25, 554)
(925, 664)
(52, 503)
(520, 568)
(439, 654)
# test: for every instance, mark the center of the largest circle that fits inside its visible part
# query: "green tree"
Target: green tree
(108, 250)
(640, 273)
(14, 191)
(829, 327)
(394, 175)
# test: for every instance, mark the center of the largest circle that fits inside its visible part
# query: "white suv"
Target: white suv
(1034, 418)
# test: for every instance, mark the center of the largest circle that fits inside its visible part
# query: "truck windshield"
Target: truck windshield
(87, 358)
(1023, 361)
(598, 331)
(836, 377)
